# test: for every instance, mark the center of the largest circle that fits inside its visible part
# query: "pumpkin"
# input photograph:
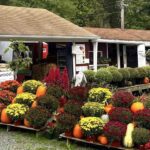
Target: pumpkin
(102, 139)
(13, 101)
(146, 80)
(128, 141)
(26, 122)
(34, 104)
(4, 117)
(105, 118)
(41, 90)
(20, 90)
(77, 131)
(137, 106)
(108, 107)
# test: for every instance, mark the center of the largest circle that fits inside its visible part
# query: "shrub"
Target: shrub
(25, 98)
(79, 93)
(147, 68)
(112, 68)
(121, 114)
(56, 91)
(91, 126)
(141, 72)
(117, 76)
(10, 85)
(115, 130)
(125, 73)
(133, 73)
(37, 117)
(103, 75)
(90, 75)
(48, 102)
(122, 99)
(73, 107)
(16, 111)
(100, 95)
(142, 118)
(140, 136)
(66, 122)
(31, 86)
(6, 97)
(94, 109)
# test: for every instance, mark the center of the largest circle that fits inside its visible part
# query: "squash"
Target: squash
(105, 118)
(108, 108)
(4, 117)
(34, 104)
(146, 80)
(102, 139)
(20, 90)
(26, 123)
(77, 131)
(137, 106)
(41, 90)
(128, 141)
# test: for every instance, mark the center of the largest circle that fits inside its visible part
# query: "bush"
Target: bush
(103, 75)
(121, 114)
(10, 85)
(125, 73)
(37, 117)
(91, 126)
(133, 73)
(73, 107)
(6, 97)
(115, 130)
(66, 122)
(141, 72)
(100, 95)
(90, 75)
(122, 99)
(147, 68)
(142, 118)
(140, 136)
(93, 109)
(112, 68)
(56, 91)
(25, 98)
(48, 102)
(79, 93)
(31, 86)
(16, 111)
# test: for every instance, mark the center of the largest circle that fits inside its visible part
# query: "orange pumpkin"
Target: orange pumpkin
(4, 117)
(102, 139)
(108, 107)
(34, 104)
(137, 106)
(41, 90)
(20, 90)
(26, 123)
(146, 80)
(77, 132)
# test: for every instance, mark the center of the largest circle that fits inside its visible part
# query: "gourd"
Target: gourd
(128, 141)
(20, 90)
(105, 118)
(4, 117)
(108, 108)
(102, 139)
(41, 90)
(137, 106)
(77, 131)
(34, 104)
(146, 80)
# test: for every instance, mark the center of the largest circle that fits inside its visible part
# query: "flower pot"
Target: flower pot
(17, 123)
(116, 144)
(68, 133)
(91, 138)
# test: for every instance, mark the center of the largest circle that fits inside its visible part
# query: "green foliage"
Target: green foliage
(141, 72)
(140, 136)
(90, 75)
(48, 102)
(147, 68)
(125, 73)
(133, 73)
(37, 117)
(103, 75)
(93, 109)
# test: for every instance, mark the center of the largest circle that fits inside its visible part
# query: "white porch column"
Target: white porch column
(141, 55)
(124, 56)
(74, 60)
(118, 56)
(95, 49)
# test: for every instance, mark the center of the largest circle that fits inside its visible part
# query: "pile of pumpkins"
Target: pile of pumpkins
(40, 91)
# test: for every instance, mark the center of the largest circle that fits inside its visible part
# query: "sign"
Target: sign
(6, 75)
(141, 56)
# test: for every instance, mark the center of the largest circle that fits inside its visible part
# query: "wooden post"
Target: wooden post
(95, 47)
(124, 56)
(118, 56)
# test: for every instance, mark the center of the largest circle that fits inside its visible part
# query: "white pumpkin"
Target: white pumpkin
(105, 118)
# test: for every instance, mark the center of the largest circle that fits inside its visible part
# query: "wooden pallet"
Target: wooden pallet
(20, 127)
(95, 143)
